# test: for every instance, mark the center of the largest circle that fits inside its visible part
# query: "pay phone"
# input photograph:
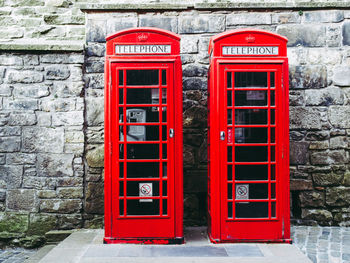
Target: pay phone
(137, 132)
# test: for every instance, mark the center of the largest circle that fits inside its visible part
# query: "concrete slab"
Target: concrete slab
(85, 246)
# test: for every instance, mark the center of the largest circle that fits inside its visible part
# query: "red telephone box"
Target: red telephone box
(248, 138)
(143, 137)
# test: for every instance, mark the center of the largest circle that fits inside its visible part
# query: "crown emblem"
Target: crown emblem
(250, 39)
(142, 37)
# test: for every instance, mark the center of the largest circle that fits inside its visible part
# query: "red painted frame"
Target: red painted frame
(220, 228)
(162, 229)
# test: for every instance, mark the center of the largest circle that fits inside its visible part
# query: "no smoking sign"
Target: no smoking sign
(145, 189)
(242, 191)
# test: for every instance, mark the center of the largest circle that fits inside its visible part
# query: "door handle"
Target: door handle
(222, 135)
(171, 133)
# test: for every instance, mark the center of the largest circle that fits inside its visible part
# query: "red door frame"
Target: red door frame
(217, 188)
(144, 229)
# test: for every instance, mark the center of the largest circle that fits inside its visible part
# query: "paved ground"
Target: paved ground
(320, 244)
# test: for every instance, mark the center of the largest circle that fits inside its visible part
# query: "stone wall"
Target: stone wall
(51, 107)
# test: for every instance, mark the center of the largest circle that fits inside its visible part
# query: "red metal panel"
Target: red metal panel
(148, 226)
(224, 224)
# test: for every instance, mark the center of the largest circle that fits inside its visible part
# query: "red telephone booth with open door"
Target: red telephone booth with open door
(143, 137)
(248, 138)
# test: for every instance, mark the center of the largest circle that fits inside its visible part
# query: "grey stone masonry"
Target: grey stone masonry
(41, 145)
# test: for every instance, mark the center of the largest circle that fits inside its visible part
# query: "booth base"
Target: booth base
(159, 241)
(218, 241)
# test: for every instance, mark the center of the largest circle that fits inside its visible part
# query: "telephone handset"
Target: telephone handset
(137, 132)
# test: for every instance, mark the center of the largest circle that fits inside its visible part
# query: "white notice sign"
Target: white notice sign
(145, 189)
(250, 50)
(142, 49)
(242, 191)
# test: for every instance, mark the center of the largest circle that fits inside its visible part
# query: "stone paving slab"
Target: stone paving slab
(85, 246)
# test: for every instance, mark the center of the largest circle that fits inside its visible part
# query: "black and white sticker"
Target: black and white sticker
(145, 190)
(242, 191)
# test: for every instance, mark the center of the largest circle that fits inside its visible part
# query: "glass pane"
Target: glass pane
(121, 151)
(121, 78)
(140, 207)
(252, 210)
(229, 191)
(164, 132)
(229, 172)
(251, 98)
(251, 172)
(143, 151)
(140, 115)
(145, 96)
(143, 170)
(251, 135)
(229, 98)
(165, 150)
(251, 116)
(165, 170)
(251, 153)
(163, 77)
(272, 79)
(144, 77)
(250, 79)
(229, 116)
(121, 96)
(272, 134)
(255, 191)
(121, 114)
(134, 188)
(229, 153)
(273, 154)
(165, 188)
(272, 116)
(121, 207)
(229, 79)
(139, 133)
(121, 188)
(273, 172)
(229, 210)
(165, 206)
(121, 170)
(273, 209)
(273, 191)
(272, 97)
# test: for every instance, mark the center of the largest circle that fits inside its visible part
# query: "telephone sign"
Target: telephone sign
(248, 138)
(143, 137)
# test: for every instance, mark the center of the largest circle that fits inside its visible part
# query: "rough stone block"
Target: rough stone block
(10, 144)
(20, 104)
(94, 111)
(70, 192)
(43, 118)
(31, 60)
(94, 198)
(21, 158)
(64, 19)
(305, 118)
(14, 222)
(47, 194)
(189, 44)
(285, 18)
(11, 33)
(8, 60)
(324, 97)
(338, 196)
(22, 119)
(304, 35)
(56, 236)
(333, 36)
(336, 116)
(58, 105)
(164, 22)
(319, 145)
(317, 136)
(189, 24)
(329, 157)
(95, 157)
(248, 19)
(39, 224)
(12, 175)
(56, 72)
(95, 81)
(95, 135)
(40, 139)
(327, 16)
(60, 206)
(312, 199)
(74, 136)
(69, 221)
(22, 200)
(195, 117)
(194, 84)
(71, 58)
(2, 195)
(193, 70)
(25, 76)
(10, 131)
(341, 76)
(300, 185)
(5, 90)
(95, 50)
(307, 77)
(327, 179)
(338, 142)
(296, 98)
(67, 89)
(96, 30)
(322, 216)
(115, 24)
(56, 165)
(68, 118)
(299, 153)
(346, 33)
(94, 66)
(32, 91)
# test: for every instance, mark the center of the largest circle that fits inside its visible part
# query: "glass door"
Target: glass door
(142, 168)
(250, 151)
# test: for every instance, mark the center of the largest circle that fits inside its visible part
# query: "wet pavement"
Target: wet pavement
(15, 255)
